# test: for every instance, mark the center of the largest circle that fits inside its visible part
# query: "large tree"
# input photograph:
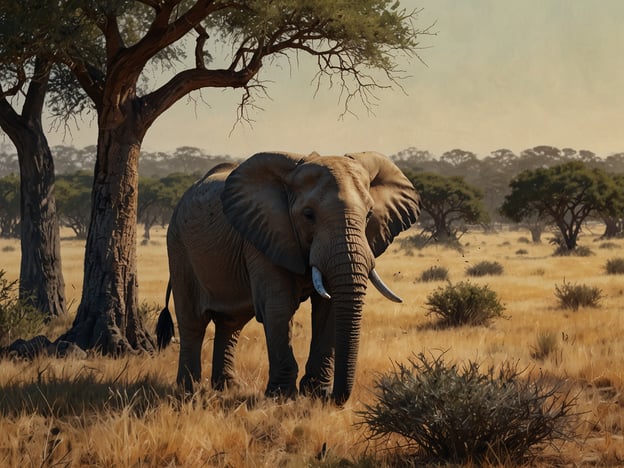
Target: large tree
(41, 277)
(448, 204)
(566, 195)
(347, 39)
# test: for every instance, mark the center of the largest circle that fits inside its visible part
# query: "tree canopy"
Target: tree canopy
(449, 203)
(566, 194)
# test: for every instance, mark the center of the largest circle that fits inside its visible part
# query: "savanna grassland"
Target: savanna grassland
(97, 411)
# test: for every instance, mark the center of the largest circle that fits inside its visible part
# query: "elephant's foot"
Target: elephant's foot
(225, 382)
(287, 392)
(315, 387)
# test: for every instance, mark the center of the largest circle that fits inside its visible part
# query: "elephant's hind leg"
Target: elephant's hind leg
(189, 366)
(192, 323)
(223, 357)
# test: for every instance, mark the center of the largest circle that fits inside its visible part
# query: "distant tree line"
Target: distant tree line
(542, 187)
(164, 178)
(68, 159)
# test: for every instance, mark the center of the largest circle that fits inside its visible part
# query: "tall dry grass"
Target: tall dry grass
(104, 412)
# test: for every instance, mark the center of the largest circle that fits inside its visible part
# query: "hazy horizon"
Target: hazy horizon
(497, 75)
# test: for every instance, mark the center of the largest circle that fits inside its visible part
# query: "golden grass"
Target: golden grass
(104, 412)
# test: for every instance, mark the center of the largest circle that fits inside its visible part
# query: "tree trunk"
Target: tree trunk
(41, 275)
(108, 318)
(612, 229)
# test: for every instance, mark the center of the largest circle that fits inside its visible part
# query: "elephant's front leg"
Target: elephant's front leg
(317, 380)
(283, 367)
(226, 336)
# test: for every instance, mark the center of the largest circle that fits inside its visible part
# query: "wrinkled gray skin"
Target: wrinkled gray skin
(243, 240)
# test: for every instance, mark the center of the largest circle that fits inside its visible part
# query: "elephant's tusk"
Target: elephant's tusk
(317, 281)
(382, 288)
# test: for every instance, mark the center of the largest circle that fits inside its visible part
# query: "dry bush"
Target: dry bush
(546, 344)
(573, 296)
(615, 266)
(18, 319)
(485, 268)
(460, 414)
(464, 304)
(434, 273)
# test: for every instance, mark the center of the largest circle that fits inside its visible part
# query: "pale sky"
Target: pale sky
(499, 74)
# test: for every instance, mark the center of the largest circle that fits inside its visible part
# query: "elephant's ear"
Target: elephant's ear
(255, 202)
(396, 202)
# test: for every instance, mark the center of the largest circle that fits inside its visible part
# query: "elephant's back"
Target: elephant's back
(200, 207)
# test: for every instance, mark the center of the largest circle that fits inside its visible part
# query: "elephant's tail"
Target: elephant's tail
(164, 326)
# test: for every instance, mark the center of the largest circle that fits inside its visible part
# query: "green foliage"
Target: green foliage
(566, 195)
(448, 204)
(17, 318)
(435, 273)
(464, 303)
(485, 268)
(615, 266)
(460, 414)
(573, 296)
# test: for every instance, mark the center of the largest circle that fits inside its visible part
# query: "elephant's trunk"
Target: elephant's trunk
(346, 269)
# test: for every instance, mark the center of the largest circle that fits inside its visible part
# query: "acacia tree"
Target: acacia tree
(566, 195)
(347, 39)
(449, 203)
(613, 217)
(41, 277)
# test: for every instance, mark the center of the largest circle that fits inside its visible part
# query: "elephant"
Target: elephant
(258, 238)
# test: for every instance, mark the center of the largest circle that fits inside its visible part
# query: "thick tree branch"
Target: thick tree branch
(114, 41)
(20, 79)
(90, 79)
(202, 37)
(162, 34)
(187, 81)
(35, 96)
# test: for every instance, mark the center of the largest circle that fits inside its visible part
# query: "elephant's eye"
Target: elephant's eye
(308, 214)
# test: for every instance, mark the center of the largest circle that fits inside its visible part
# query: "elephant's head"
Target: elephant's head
(328, 215)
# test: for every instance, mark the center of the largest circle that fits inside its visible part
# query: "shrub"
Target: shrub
(485, 268)
(522, 252)
(573, 296)
(8, 248)
(524, 240)
(615, 266)
(434, 273)
(464, 304)
(608, 245)
(452, 414)
(578, 251)
(417, 241)
(17, 317)
(545, 344)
